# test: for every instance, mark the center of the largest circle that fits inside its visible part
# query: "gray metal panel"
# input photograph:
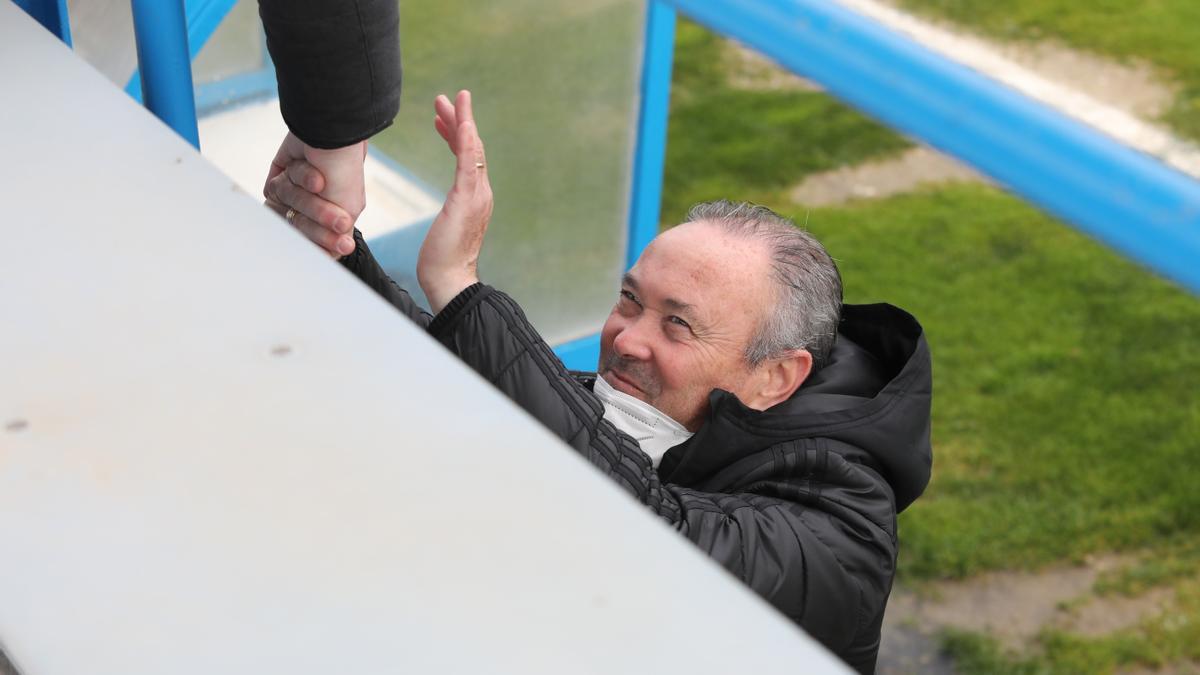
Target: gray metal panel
(220, 453)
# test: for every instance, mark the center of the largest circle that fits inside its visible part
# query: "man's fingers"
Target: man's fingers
(290, 149)
(336, 245)
(275, 170)
(466, 173)
(447, 118)
(319, 210)
(306, 176)
(443, 131)
(276, 207)
(462, 107)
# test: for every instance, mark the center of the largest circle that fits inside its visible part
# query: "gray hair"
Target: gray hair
(808, 286)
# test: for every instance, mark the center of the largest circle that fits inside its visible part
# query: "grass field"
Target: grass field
(1066, 416)
(1165, 33)
(725, 141)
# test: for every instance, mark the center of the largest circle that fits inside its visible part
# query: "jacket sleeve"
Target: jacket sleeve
(362, 264)
(338, 66)
(793, 556)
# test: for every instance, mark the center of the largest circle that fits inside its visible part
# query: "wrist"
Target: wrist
(343, 172)
(440, 287)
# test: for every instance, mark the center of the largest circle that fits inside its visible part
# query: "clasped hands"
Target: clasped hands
(322, 191)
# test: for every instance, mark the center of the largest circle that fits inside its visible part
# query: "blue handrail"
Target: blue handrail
(1133, 202)
(203, 19)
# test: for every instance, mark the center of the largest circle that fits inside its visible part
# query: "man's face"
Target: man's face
(686, 313)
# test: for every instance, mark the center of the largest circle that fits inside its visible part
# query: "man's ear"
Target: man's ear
(777, 379)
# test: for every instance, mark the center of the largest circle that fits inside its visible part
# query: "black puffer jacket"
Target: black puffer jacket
(799, 501)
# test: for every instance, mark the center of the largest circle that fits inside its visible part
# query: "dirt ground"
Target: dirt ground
(1012, 607)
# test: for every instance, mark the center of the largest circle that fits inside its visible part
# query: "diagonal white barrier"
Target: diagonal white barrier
(220, 453)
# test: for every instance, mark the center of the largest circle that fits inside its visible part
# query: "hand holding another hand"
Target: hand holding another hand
(322, 190)
(303, 180)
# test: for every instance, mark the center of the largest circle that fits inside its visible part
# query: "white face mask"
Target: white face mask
(655, 432)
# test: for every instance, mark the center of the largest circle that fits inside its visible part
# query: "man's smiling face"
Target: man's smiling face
(686, 313)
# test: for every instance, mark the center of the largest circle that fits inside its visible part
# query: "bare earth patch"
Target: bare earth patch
(1009, 606)
(749, 70)
(1013, 608)
(883, 178)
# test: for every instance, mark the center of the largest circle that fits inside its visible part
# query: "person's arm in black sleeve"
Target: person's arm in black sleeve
(338, 66)
(362, 264)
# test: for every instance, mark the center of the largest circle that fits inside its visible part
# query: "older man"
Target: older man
(736, 397)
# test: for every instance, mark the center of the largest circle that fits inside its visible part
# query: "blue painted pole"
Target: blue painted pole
(52, 14)
(651, 149)
(165, 65)
(203, 19)
(1133, 202)
(649, 157)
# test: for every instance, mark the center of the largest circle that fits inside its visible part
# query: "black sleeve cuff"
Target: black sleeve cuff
(353, 259)
(462, 303)
(337, 66)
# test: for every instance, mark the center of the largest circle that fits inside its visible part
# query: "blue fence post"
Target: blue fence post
(203, 19)
(650, 153)
(52, 14)
(165, 66)
(650, 150)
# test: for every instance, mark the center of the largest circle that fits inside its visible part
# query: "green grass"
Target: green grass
(1066, 418)
(1162, 32)
(1161, 565)
(725, 141)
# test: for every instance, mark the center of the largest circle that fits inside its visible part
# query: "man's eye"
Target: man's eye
(630, 297)
(679, 322)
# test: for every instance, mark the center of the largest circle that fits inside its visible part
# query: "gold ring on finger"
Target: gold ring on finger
(290, 216)
(478, 165)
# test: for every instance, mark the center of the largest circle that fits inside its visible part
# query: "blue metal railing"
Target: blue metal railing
(203, 19)
(165, 64)
(1128, 200)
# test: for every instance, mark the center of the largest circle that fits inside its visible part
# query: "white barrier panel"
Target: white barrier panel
(220, 453)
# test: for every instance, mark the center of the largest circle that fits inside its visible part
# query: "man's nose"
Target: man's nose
(635, 339)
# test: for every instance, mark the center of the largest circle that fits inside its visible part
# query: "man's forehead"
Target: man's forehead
(706, 253)
(700, 265)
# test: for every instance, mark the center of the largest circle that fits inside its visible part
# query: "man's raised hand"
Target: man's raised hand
(449, 258)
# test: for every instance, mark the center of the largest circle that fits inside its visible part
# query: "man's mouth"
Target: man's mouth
(624, 384)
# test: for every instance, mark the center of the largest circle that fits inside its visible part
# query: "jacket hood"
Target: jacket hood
(874, 394)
